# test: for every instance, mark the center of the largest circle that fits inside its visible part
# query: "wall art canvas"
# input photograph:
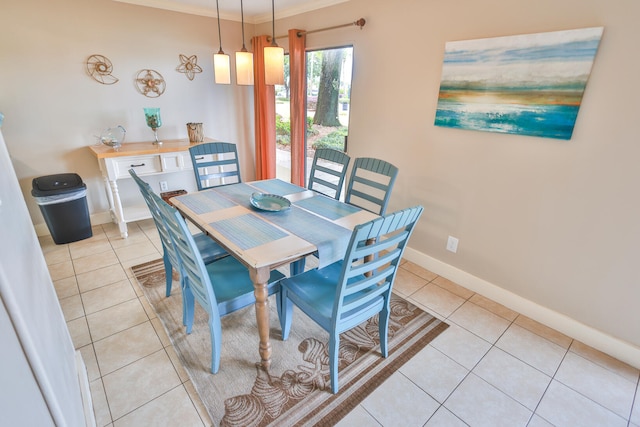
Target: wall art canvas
(526, 84)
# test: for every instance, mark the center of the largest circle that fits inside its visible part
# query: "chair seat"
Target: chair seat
(236, 290)
(209, 249)
(314, 292)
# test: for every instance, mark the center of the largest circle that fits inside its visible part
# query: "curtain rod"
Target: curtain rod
(359, 23)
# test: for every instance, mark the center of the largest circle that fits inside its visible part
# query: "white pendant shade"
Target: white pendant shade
(222, 68)
(244, 68)
(273, 65)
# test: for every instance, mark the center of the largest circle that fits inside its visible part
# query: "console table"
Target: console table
(145, 158)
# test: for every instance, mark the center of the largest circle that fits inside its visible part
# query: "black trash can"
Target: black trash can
(63, 202)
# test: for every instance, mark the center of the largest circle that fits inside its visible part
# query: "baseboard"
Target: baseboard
(85, 391)
(621, 350)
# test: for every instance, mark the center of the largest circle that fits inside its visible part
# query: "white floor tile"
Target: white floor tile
(359, 417)
(597, 383)
(128, 314)
(434, 373)
(635, 413)
(532, 349)
(100, 405)
(407, 283)
(444, 418)
(139, 383)
(513, 377)
(437, 299)
(609, 363)
(125, 347)
(147, 386)
(564, 407)
(400, 402)
(461, 345)
(108, 296)
(478, 403)
(538, 421)
(100, 277)
(481, 322)
(171, 409)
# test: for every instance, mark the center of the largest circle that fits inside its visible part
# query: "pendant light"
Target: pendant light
(221, 67)
(273, 56)
(244, 59)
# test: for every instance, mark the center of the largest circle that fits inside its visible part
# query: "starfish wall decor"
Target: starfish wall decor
(189, 66)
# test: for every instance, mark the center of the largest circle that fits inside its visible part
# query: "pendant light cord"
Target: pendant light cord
(244, 48)
(219, 34)
(273, 23)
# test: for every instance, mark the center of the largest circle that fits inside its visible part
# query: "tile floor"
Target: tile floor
(492, 367)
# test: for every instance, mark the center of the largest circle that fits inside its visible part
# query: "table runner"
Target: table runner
(310, 219)
(239, 193)
(206, 201)
(276, 186)
(330, 239)
(326, 207)
(248, 231)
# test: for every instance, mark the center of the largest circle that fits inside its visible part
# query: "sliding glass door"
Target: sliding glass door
(328, 106)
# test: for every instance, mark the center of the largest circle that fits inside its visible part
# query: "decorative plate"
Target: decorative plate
(269, 202)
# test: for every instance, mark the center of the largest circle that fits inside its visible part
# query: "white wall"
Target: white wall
(39, 374)
(53, 108)
(549, 224)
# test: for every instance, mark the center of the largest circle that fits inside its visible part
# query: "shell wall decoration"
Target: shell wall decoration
(99, 68)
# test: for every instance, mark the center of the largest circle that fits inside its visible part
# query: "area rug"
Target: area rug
(296, 389)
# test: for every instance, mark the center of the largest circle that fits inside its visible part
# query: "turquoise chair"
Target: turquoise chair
(346, 293)
(209, 249)
(220, 288)
(328, 171)
(215, 164)
(370, 184)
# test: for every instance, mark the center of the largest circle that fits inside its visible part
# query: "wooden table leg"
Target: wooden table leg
(260, 278)
(369, 258)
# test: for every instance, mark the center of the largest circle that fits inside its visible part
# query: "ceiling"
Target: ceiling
(255, 11)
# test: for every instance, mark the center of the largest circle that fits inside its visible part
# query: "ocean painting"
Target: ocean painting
(527, 85)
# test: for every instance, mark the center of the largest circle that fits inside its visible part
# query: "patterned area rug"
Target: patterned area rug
(296, 389)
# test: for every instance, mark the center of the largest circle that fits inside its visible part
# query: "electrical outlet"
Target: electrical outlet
(164, 186)
(452, 244)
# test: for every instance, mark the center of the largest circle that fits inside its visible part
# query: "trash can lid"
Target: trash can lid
(57, 184)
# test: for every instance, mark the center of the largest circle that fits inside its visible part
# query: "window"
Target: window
(328, 106)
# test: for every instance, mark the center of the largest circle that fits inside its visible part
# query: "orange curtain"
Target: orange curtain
(265, 114)
(298, 97)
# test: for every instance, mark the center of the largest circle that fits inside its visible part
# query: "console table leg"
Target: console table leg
(117, 209)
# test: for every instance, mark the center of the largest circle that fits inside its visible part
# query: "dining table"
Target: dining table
(264, 236)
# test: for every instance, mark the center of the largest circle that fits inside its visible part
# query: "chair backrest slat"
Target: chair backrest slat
(370, 184)
(215, 164)
(165, 237)
(192, 264)
(371, 261)
(328, 172)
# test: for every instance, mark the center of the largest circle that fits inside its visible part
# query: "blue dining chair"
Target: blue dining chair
(344, 294)
(328, 171)
(215, 164)
(221, 287)
(209, 250)
(370, 184)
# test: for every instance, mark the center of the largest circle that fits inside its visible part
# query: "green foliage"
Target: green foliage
(333, 140)
(283, 131)
(282, 127)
